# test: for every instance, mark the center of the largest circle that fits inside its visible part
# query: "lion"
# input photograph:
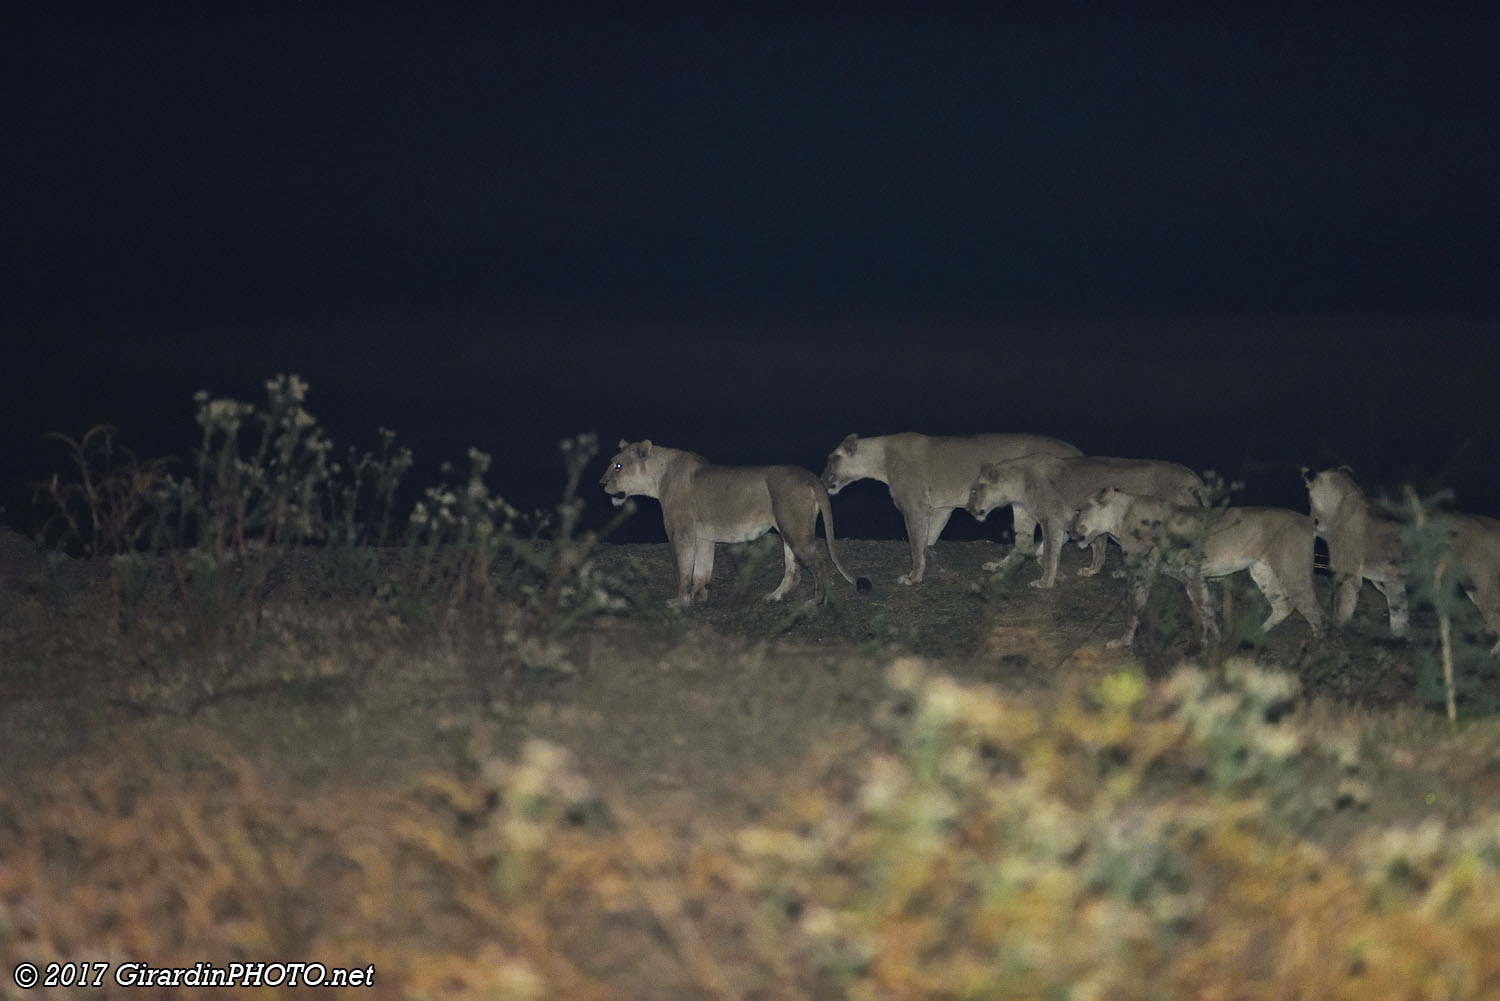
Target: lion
(1364, 544)
(1475, 548)
(1051, 488)
(703, 504)
(929, 479)
(1196, 544)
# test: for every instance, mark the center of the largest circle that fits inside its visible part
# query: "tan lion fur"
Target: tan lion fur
(1050, 489)
(1197, 544)
(703, 504)
(929, 478)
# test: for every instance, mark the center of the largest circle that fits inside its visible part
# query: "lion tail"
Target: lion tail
(825, 508)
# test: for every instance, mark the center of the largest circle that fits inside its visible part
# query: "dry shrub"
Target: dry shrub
(219, 864)
(510, 881)
(1127, 840)
(1134, 841)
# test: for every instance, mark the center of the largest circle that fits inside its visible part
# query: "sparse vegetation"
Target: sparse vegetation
(218, 563)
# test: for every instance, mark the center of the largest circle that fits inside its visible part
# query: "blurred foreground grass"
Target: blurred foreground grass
(1118, 838)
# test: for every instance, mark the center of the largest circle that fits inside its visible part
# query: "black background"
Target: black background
(1246, 240)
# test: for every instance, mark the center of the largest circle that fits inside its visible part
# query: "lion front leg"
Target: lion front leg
(923, 527)
(1024, 545)
(1052, 542)
(1140, 590)
(1023, 528)
(918, 559)
(1096, 562)
(695, 565)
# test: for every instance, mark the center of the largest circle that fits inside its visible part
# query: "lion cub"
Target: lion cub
(703, 504)
(1197, 544)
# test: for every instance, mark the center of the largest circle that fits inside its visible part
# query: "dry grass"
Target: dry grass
(1120, 839)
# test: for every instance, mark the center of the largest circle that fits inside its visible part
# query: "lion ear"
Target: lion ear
(847, 445)
(1347, 468)
(623, 444)
(988, 471)
(1306, 475)
(644, 448)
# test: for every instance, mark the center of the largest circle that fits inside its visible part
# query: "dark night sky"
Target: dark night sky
(1283, 229)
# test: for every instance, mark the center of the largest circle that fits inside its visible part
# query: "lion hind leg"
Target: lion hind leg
(702, 569)
(1395, 604)
(937, 520)
(1196, 586)
(1305, 600)
(920, 526)
(806, 552)
(1348, 597)
(1270, 585)
(789, 575)
(1486, 598)
(795, 517)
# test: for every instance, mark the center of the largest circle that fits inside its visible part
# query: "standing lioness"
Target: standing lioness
(1196, 544)
(703, 504)
(930, 477)
(1364, 543)
(1475, 547)
(1050, 489)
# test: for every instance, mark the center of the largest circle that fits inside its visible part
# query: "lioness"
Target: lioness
(1196, 544)
(1363, 544)
(1051, 488)
(930, 477)
(703, 504)
(1476, 560)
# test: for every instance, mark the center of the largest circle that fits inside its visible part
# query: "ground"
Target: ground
(740, 689)
(699, 721)
(705, 709)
